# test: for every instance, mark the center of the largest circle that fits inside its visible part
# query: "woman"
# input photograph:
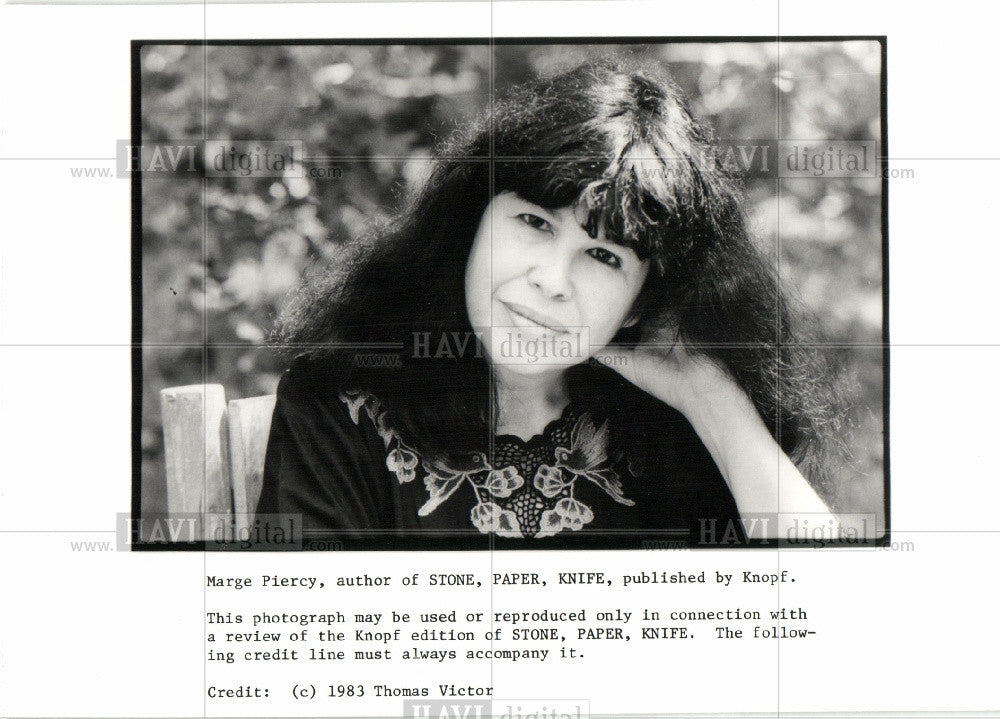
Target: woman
(590, 346)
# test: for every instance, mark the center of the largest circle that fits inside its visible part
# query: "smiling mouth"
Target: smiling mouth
(536, 318)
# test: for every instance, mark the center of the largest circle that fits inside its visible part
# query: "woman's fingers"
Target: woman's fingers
(671, 374)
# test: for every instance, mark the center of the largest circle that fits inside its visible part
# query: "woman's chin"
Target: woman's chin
(531, 370)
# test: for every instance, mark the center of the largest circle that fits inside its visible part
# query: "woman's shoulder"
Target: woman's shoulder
(316, 376)
(312, 380)
(313, 398)
(316, 393)
(324, 460)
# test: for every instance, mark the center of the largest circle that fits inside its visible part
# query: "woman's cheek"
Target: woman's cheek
(507, 264)
(605, 312)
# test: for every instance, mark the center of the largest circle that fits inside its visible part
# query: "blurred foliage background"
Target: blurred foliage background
(218, 259)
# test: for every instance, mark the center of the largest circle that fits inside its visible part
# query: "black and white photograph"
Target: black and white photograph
(520, 294)
(488, 359)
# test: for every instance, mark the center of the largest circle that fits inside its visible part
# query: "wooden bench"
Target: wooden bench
(214, 455)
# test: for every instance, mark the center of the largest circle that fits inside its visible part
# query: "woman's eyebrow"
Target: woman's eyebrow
(619, 249)
(539, 209)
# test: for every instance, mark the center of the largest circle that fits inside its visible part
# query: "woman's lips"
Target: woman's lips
(535, 317)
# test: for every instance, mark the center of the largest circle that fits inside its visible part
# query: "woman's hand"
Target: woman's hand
(763, 480)
(666, 369)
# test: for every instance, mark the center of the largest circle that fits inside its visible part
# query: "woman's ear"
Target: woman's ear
(632, 318)
(641, 301)
(635, 314)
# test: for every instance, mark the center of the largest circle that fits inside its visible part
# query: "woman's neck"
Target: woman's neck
(527, 403)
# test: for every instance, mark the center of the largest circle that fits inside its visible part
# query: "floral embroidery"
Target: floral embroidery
(501, 483)
(354, 401)
(442, 480)
(549, 481)
(384, 432)
(567, 514)
(489, 517)
(507, 506)
(403, 462)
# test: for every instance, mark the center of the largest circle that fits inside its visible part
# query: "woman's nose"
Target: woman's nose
(550, 273)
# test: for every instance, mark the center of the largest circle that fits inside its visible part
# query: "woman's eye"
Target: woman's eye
(535, 222)
(602, 255)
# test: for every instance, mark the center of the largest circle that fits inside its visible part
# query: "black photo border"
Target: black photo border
(486, 542)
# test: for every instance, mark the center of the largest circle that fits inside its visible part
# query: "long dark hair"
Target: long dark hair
(623, 147)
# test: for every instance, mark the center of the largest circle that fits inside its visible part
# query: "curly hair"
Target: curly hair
(621, 146)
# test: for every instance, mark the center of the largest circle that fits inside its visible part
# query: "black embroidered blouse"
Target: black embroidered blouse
(634, 479)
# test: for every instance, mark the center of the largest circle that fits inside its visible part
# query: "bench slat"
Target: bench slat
(249, 427)
(196, 450)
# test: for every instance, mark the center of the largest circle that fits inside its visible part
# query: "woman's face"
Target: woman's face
(544, 293)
